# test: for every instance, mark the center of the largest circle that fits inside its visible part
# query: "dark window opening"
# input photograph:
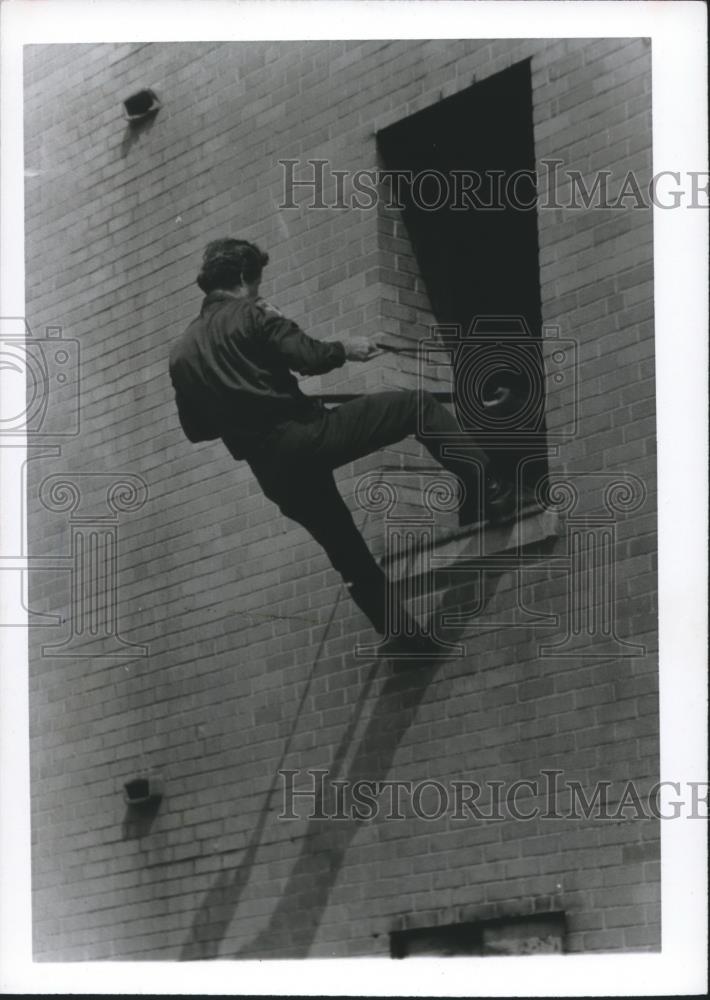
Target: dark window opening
(480, 265)
(542, 933)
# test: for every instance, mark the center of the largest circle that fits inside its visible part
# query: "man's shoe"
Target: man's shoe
(500, 500)
(499, 504)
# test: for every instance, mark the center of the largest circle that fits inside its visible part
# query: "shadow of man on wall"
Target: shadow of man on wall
(293, 925)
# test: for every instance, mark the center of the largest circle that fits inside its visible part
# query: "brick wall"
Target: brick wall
(249, 633)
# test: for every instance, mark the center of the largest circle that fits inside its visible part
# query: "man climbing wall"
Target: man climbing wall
(232, 375)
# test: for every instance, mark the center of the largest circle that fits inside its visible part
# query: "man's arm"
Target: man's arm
(303, 354)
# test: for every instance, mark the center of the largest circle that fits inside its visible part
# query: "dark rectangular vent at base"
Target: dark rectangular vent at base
(532, 935)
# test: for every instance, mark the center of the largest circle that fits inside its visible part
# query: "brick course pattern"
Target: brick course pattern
(249, 632)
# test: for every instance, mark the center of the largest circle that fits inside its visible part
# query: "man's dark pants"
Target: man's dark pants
(295, 470)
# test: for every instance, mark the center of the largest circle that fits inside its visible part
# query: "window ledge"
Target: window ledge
(506, 543)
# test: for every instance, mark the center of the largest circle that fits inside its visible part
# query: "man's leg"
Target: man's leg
(377, 420)
(313, 500)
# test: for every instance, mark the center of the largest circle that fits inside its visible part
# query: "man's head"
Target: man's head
(232, 265)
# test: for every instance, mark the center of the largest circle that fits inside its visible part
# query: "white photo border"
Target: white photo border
(679, 67)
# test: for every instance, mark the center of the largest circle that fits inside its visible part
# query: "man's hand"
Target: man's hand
(359, 349)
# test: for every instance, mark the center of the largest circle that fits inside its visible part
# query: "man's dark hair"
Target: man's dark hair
(230, 262)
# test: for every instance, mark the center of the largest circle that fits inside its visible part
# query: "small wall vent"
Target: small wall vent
(144, 789)
(141, 105)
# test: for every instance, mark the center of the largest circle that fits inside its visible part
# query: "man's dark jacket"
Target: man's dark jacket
(231, 372)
